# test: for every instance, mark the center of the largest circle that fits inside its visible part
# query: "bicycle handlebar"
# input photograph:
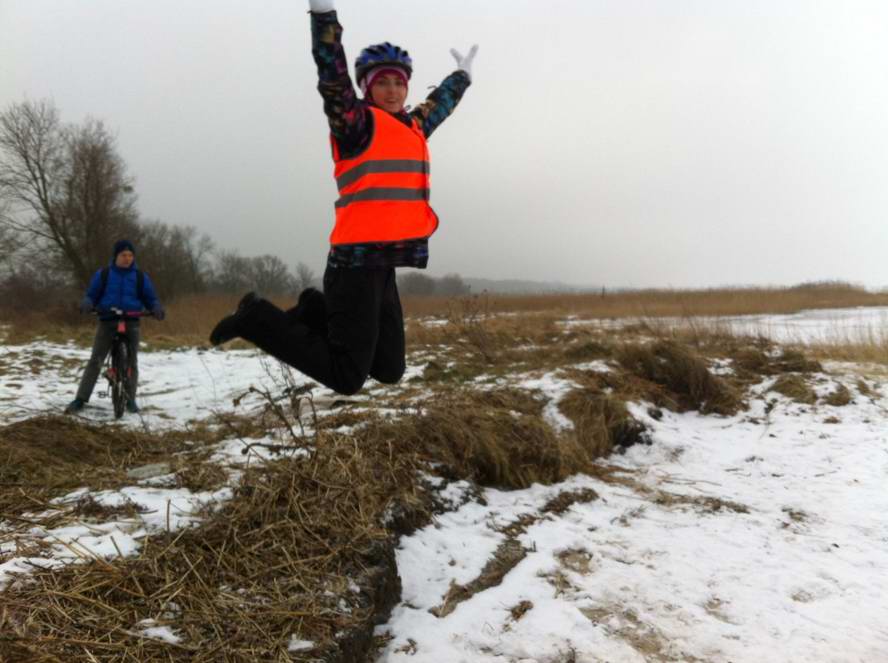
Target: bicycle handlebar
(120, 313)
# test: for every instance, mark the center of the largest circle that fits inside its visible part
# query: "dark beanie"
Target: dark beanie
(123, 245)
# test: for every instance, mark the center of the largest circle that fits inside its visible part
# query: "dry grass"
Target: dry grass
(190, 319)
(493, 446)
(684, 374)
(46, 457)
(274, 562)
(506, 557)
(601, 422)
(188, 322)
(839, 397)
(795, 387)
(873, 352)
(667, 303)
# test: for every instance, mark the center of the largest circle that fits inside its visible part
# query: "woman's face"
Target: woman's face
(389, 92)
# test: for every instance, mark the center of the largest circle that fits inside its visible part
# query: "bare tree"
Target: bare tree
(452, 285)
(67, 190)
(176, 256)
(270, 275)
(9, 245)
(232, 273)
(416, 283)
(305, 277)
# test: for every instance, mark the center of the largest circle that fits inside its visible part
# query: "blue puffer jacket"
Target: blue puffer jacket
(121, 291)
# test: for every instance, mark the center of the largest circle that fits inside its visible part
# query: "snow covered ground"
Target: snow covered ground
(758, 537)
(822, 326)
(174, 387)
(728, 539)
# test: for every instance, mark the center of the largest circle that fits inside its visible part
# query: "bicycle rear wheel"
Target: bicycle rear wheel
(120, 362)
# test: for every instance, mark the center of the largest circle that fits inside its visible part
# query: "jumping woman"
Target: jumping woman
(355, 327)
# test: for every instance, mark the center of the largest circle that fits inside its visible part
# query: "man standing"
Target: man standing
(122, 286)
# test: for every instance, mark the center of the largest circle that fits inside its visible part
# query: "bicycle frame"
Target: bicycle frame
(118, 364)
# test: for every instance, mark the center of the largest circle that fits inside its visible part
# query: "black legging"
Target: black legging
(364, 332)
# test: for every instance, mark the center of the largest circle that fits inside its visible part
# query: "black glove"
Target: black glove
(86, 305)
(158, 312)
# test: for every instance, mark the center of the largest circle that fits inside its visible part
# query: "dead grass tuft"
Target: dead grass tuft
(520, 609)
(563, 501)
(493, 446)
(511, 399)
(200, 476)
(87, 507)
(588, 350)
(839, 397)
(601, 422)
(865, 390)
(467, 318)
(683, 373)
(506, 557)
(577, 560)
(795, 387)
(793, 360)
(705, 504)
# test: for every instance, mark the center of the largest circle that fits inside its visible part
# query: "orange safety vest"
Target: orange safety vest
(384, 191)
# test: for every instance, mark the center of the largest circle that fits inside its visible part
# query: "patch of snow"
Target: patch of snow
(164, 633)
(299, 645)
(554, 388)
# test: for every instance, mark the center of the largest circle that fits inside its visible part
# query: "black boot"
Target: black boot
(230, 326)
(310, 310)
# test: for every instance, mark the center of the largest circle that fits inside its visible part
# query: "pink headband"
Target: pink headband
(376, 72)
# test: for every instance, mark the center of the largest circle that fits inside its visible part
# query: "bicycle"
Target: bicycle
(118, 365)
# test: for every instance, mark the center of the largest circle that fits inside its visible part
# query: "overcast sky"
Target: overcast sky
(620, 142)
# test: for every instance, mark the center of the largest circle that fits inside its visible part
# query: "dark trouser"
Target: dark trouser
(364, 332)
(101, 345)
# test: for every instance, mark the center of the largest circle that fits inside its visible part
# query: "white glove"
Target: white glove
(321, 6)
(463, 62)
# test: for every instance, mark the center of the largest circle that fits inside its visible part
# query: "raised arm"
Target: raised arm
(443, 100)
(347, 118)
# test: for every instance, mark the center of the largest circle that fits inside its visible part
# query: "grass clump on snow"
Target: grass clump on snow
(684, 374)
(601, 422)
(795, 387)
(839, 397)
(487, 443)
(762, 360)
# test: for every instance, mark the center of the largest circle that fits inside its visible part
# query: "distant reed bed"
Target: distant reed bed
(190, 318)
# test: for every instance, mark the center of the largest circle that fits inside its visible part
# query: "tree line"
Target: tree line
(66, 196)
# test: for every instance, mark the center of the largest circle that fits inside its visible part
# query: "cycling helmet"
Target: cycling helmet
(382, 54)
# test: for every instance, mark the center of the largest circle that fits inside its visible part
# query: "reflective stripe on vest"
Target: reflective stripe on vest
(384, 191)
(386, 166)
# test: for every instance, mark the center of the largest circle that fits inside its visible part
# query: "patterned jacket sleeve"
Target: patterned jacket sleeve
(345, 113)
(441, 102)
